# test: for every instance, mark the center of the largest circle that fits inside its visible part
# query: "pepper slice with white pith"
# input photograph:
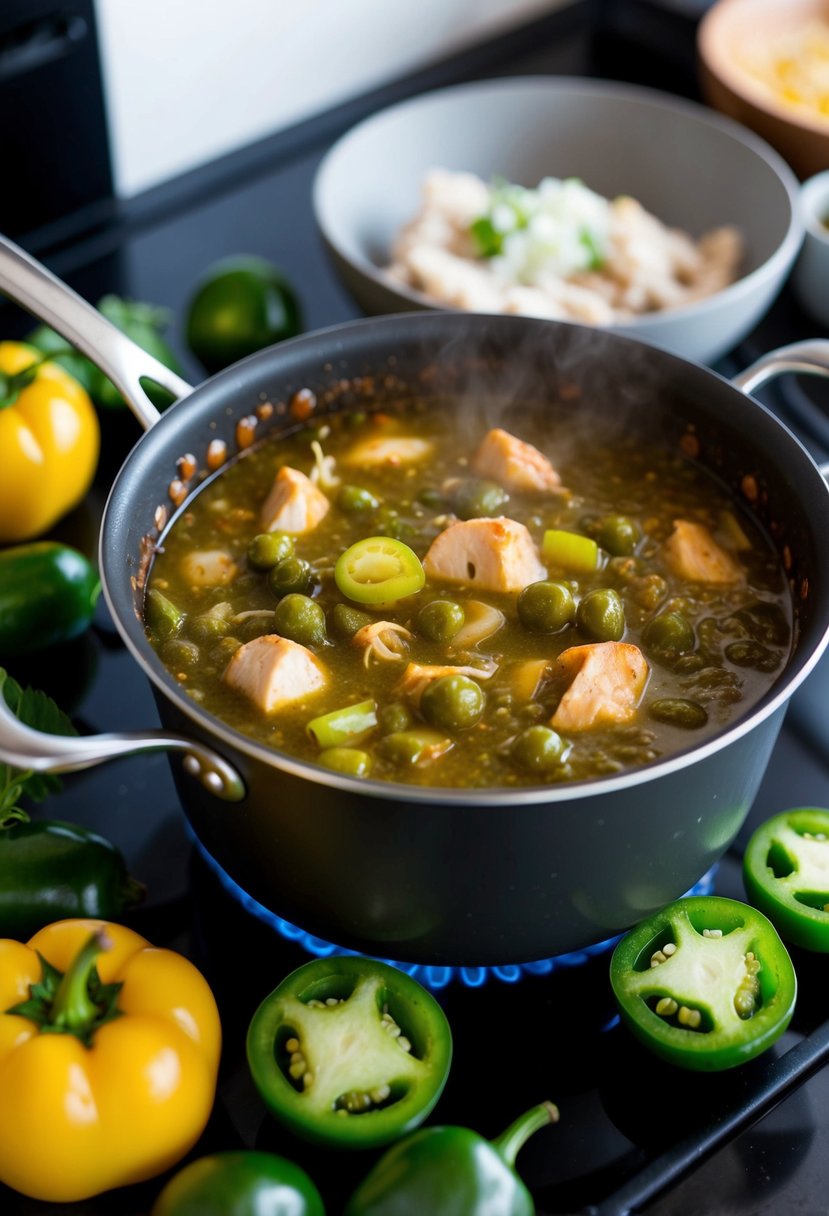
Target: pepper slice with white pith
(786, 875)
(706, 983)
(349, 1051)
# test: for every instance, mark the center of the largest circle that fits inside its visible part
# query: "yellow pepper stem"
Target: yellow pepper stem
(13, 384)
(73, 1009)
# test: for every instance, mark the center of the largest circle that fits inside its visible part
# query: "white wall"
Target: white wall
(187, 80)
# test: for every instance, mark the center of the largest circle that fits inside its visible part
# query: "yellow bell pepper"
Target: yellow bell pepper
(109, 1050)
(49, 442)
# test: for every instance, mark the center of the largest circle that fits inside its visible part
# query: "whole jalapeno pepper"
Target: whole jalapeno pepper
(48, 594)
(50, 870)
(349, 1052)
(240, 1184)
(451, 1171)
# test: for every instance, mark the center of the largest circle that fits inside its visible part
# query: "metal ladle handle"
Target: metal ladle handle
(42, 294)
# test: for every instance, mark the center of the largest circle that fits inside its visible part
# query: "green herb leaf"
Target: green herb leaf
(594, 250)
(489, 241)
(35, 709)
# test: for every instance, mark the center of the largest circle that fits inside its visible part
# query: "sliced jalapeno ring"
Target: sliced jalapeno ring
(786, 875)
(379, 570)
(400, 1049)
(705, 983)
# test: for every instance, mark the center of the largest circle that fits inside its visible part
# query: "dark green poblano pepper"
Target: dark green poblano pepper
(451, 1171)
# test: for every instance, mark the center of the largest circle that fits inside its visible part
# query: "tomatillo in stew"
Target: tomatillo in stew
(786, 875)
(705, 983)
(349, 1052)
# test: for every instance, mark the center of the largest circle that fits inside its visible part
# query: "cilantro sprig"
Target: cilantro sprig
(35, 709)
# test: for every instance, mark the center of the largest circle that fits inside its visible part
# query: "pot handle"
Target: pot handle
(34, 751)
(809, 358)
(28, 283)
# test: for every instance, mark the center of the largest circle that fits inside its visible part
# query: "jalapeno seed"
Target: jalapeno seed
(601, 615)
(546, 607)
(539, 749)
(440, 620)
(453, 703)
(268, 548)
(300, 619)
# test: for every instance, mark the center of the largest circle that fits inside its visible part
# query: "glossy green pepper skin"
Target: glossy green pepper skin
(48, 594)
(451, 1171)
(51, 871)
(786, 875)
(374, 1045)
(705, 983)
(240, 1184)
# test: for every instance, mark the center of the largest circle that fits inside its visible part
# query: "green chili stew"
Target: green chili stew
(390, 596)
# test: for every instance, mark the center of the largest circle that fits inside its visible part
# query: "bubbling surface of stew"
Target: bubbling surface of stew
(395, 596)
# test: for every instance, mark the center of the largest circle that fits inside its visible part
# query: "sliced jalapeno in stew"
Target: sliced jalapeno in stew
(349, 1051)
(379, 570)
(786, 874)
(705, 983)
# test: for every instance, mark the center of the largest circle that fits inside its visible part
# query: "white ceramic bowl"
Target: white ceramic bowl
(693, 169)
(811, 275)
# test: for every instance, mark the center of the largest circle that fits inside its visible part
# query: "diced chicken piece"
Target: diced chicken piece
(418, 675)
(209, 568)
(692, 553)
(608, 681)
(490, 554)
(388, 450)
(294, 504)
(274, 672)
(516, 465)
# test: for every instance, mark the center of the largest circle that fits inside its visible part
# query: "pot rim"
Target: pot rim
(233, 741)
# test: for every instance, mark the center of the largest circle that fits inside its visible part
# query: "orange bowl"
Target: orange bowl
(762, 62)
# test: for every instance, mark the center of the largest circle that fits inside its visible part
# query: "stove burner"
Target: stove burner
(431, 975)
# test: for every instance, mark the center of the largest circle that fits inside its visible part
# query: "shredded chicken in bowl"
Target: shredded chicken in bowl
(561, 252)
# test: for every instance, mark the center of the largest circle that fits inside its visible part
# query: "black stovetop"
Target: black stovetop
(630, 1127)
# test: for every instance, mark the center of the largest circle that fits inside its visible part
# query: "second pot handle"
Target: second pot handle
(35, 751)
(809, 358)
(33, 287)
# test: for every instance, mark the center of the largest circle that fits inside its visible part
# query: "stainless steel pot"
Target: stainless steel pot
(444, 875)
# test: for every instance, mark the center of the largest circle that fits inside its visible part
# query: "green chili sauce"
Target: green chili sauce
(739, 640)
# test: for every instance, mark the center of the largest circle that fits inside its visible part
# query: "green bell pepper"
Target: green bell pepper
(451, 1171)
(51, 870)
(705, 983)
(786, 875)
(349, 1052)
(240, 1184)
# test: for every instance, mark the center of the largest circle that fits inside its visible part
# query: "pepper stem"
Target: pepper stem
(12, 384)
(509, 1143)
(73, 1009)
